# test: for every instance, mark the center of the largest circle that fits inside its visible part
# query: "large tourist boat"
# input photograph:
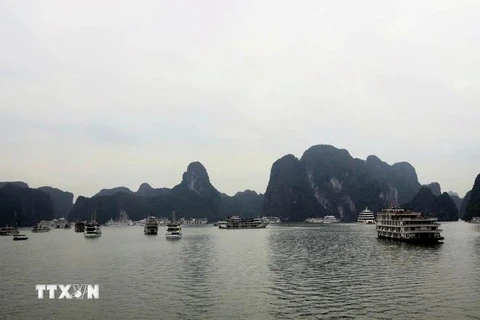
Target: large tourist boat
(174, 229)
(8, 231)
(151, 226)
(122, 221)
(366, 217)
(403, 225)
(92, 229)
(236, 222)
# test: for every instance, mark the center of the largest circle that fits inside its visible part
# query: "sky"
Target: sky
(99, 94)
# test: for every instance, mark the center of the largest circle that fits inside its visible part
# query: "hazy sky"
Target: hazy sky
(97, 94)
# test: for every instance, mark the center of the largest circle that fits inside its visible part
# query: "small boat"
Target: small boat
(92, 229)
(174, 229)
(151, 226)
(40, 228)
(17, 237)
(8, 231)
(236, 222)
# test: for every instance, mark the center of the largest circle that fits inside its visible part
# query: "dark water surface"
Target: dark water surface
(282, 272)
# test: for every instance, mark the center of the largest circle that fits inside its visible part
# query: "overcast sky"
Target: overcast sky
(98, 94)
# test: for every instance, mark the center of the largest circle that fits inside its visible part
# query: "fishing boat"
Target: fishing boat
(403, 225)
(151, 226)
(17, 237)
(92, 229)
(174, 229)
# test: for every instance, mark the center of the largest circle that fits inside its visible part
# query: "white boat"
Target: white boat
(8, 231)
(92, 229)
(330, 219)
(273, 219)
(314, 220)
(122, 221)
(475, 220)
(17, 237)
(236, 222)
(151, 226)
(40, 228)
(399, 224)
(366, 217)
(174, 229)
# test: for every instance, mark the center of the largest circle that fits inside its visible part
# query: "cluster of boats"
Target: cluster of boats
(393, 223)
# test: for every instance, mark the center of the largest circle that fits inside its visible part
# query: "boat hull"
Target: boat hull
(260, 226)
(150, 231)
(19, 238)
(92, 235)
(173, 236)
(419, 241)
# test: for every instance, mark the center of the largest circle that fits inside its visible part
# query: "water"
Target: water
(282, 272)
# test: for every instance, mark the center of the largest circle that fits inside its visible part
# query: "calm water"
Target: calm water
(282, 272)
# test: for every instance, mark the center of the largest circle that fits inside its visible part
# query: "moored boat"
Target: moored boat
(236, 222)
(17, 237)
(122, 221)
(403, 225)
(38, 228)
(8, 231)
(314, 220)
(330, 219)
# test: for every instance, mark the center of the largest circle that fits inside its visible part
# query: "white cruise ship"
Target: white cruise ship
(151, 226)
(366, 217)
(174, 229)
(399, 224)
(314, 220)
(236, 222)
(330, 219)
(122, 221)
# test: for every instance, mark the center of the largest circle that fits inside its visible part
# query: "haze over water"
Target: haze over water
(287, 271)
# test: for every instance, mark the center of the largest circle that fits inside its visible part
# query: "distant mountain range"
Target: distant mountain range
(324, 181)
(194, 197)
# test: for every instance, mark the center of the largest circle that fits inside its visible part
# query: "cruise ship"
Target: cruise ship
(174, 229)
(330, 219)
(236, 222)
(40, 228)
(366, 217)
(399, 224)
(151, 226)
(314, 220)
(8, 231)
(122, 221)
